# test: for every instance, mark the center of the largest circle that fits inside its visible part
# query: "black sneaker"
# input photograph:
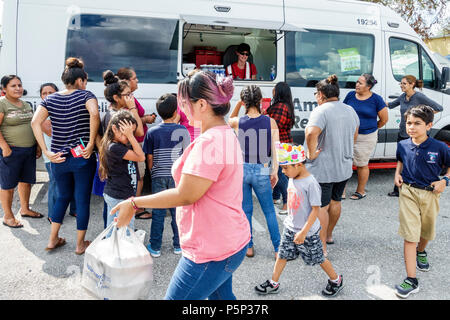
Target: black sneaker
(406, 288)
(393, 194)
(422, 261)
(332, 288)
(267, 288)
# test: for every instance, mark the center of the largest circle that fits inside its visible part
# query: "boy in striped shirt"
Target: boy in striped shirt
(163, 145)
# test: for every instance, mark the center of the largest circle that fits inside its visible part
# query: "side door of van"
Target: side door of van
(406, 56)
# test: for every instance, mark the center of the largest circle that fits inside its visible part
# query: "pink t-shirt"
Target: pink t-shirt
(215, 227)
(184, 121)
(141, 113)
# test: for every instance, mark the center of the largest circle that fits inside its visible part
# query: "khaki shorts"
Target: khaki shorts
(141, 166)
(364, 146)
(418, 212)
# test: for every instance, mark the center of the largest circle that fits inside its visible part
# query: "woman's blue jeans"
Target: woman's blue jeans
(257, 177)
(52, 193)
(281, 187)
(198, 281)
(73, 179)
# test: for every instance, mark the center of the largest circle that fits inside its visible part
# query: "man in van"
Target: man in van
(242, 69)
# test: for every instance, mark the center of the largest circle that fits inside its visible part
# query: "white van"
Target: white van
(304, 41)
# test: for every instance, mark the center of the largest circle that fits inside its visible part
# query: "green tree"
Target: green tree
(417, 13)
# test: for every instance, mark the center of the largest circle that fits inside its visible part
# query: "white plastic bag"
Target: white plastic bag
(141, 235)
(117, 267)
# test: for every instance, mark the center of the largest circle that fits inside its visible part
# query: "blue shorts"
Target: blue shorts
(20, 166)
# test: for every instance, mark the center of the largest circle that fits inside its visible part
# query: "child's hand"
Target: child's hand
(398, 180)
(439, 186)
(126, 127)
(300, 237)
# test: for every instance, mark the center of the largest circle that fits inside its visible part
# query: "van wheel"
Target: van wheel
(443, 135)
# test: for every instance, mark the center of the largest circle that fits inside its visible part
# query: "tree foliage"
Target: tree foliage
(416, 13)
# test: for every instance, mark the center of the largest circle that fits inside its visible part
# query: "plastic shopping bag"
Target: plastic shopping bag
(117, 267)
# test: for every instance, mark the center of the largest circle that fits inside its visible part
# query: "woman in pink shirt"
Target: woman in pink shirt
(214, 231)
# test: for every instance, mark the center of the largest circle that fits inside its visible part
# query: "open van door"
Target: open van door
(404, 56)
(258, 14)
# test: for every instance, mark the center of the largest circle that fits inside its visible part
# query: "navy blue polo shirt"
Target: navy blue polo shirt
(422, 163)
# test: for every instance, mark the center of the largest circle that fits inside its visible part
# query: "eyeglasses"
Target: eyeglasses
(315, 93)
(130, 95)
(245, 53)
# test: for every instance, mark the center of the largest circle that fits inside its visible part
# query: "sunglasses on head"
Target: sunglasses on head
(245, 53)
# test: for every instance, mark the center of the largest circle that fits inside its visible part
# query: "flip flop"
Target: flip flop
(13, 227)
(330, 242)
(87, 242)
(138, 216)
(32, 217)
(60, 243)
(358, 196)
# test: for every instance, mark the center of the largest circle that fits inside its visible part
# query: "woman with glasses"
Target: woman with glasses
(410, 98)
(242, 69)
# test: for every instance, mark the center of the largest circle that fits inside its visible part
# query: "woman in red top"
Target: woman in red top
(242, 70)
(282, 111)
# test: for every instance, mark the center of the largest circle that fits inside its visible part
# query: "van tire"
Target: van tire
(443, 135)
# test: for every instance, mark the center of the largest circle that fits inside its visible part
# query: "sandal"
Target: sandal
(17, 226)
(60, 243)
(87, 243)
(358, 196)
(140, 214)
(39, 216)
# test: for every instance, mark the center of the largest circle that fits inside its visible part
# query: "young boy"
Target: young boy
(163, 144)
(301, 226)
(420, 161)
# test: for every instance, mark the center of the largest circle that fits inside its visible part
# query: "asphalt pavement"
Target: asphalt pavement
(367, 252)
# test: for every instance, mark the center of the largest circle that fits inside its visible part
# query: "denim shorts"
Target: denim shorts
(311, 250)
(20, 166)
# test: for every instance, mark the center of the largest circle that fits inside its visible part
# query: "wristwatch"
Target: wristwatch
(447, 180)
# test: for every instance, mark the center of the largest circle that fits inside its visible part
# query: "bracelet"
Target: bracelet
(135, 207)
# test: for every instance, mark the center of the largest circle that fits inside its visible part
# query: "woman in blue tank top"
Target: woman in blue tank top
(257, 135)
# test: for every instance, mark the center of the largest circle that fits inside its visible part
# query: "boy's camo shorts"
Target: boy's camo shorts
(311, 250)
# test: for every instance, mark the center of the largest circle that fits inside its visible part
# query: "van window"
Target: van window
(214, 47)
(404, 58)
(149, 45)
(314, 55)
(429, 71)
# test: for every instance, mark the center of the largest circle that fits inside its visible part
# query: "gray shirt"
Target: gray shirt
(416, 99)
(338, 123)
(303, 194)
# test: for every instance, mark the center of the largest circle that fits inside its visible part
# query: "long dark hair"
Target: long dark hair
(283, 95)
(73, 71)
(122, 115)
(329, 87)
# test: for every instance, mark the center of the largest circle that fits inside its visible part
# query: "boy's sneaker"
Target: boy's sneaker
(332, 289)
(267, 287)
(406, 288)
(153, 253)
(177, 250)
(422, 261)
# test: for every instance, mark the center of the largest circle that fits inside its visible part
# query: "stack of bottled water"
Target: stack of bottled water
(215, 68)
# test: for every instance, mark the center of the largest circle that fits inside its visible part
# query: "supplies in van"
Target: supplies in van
(118, 266)
(188, 67)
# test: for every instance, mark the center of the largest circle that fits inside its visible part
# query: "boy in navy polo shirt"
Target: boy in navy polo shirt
(163, 144)
(420, 161)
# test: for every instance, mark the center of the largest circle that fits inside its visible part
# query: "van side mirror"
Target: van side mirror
(445, 75)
